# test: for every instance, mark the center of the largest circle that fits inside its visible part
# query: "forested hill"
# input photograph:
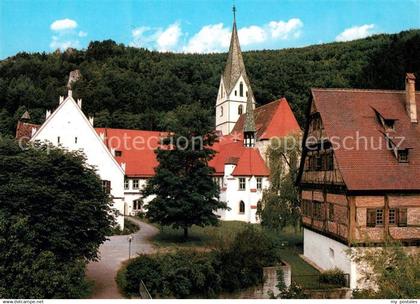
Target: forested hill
(126, 87)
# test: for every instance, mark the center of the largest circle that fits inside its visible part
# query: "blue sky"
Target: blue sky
(196, 25)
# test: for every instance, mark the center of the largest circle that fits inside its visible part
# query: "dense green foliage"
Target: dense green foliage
(127, 87)
(53, 217)
(280, 203)
(187, 274)
(333, 277)
(185, 193)
(392, 272)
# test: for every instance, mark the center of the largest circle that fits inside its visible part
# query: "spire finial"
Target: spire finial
(234, 13)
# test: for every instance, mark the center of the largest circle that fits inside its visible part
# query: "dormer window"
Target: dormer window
(389, 124)
(403, 156)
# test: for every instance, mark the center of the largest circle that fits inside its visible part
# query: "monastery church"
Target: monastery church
(240, 166)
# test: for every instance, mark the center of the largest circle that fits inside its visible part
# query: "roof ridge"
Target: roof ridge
(271, 102)
(360, 90)
(120, 129)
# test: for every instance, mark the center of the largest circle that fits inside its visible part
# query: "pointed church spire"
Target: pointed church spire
(235, 66)
(249, 126)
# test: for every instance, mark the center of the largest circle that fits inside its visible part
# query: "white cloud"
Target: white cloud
(286, 30)
(213, 37)
(356, 32)
(65, 35)
(157, 38)
(169, 38)
(252, 34)
(63, 24)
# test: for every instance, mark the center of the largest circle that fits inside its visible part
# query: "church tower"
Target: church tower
(234, 88)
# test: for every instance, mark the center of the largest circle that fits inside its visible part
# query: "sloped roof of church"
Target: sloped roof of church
(274, 119)
(231, 150)
(235, 66)
(137, 149)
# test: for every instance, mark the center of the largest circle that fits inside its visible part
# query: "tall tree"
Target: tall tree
(53, 217)
(185, 193)
(280, 204)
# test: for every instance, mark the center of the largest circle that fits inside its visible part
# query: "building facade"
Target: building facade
(125, 159)
(360, 174)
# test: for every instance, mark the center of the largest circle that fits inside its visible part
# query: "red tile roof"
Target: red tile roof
(350, 113)
(137, 149)
(274, 119)
(230, 150)
(251, 164)
(24, 130)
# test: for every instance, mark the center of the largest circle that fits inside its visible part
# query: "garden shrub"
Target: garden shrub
(241, 263)
(186, 273)
(333, 277)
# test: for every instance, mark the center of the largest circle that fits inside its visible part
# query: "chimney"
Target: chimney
(410, 96)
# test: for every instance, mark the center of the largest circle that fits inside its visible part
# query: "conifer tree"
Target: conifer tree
(185, 193)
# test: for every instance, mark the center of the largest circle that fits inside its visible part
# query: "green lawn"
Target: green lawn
(200, 237)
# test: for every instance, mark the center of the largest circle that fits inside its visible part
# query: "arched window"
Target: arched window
(241, 207)
(241, 89)
(221, 111)
(240, 109)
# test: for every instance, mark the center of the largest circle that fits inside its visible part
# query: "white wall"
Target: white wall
(230, 104)
(68, 122)
(131, 194)
(231, 194)
(316, 248)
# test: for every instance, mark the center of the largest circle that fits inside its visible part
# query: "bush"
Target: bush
(333, 277)
(241, 263)
(174, 275)
(186, 274)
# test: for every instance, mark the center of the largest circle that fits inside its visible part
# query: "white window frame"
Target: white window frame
(136, 184)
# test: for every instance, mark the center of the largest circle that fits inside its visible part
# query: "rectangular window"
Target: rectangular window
(330, 161)
(379, 217)
(259, 183)
(402, 217)
(106, 186)
(307, 207)
(317, 210)
(392, 216)
(403, 156)
(241, 183)
(118, 153)
(318, 163)
(126, 184)
(371, 217)
(75, 140)
(331, 212)
(58, 139)
(135, 184)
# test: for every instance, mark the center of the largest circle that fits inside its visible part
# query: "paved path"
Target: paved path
(112, 253)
